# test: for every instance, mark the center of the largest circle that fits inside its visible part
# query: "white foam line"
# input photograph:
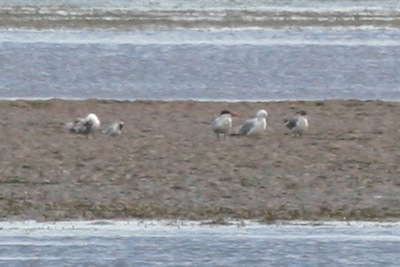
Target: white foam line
(80, 238)
(366, 8)
(63, 243)
(31, 232)
(218, 42)
(213, 29)
(345, 38)
(69, 259)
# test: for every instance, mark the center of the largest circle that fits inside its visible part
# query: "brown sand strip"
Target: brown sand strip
(168, 163)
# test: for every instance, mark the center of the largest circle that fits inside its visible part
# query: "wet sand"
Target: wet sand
(168, 164)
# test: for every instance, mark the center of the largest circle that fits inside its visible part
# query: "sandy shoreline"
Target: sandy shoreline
(168, 164)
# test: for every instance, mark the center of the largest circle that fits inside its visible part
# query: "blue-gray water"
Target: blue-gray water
(202, 50)
(147, 243)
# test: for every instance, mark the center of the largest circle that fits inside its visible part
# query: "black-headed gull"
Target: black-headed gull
(254, 126)
(299, 124)
(223, 123)
(85, 126)
(114, 129)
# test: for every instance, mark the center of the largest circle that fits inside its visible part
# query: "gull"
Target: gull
(114, 129)
(254, 126)
(299, 124)
(223, 123)
(85, 126)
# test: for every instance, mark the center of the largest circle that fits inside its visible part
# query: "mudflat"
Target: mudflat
(167, 163)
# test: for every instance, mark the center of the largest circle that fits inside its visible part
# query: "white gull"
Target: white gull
(223, 123)
(254, 126)
(85, 126)
(297, 125)
(114, 129)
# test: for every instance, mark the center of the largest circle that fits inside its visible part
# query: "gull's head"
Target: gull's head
(121, 125)
(92, 117)
(233, 114)
(262, 114)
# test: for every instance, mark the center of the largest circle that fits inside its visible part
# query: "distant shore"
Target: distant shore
(168, 164)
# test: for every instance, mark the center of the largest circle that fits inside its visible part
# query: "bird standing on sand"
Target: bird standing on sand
(299, 124)
(114, 129)
(85, 126)
(223, 123)
(254, 126)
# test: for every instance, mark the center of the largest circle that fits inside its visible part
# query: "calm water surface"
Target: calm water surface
(150, 243)
(203, 50)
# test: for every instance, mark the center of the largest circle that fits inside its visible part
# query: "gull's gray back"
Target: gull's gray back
(291, 123)
(246, 127)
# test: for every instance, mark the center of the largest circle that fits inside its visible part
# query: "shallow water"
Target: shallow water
(245, 65)
(202, 50)
(183, 243)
